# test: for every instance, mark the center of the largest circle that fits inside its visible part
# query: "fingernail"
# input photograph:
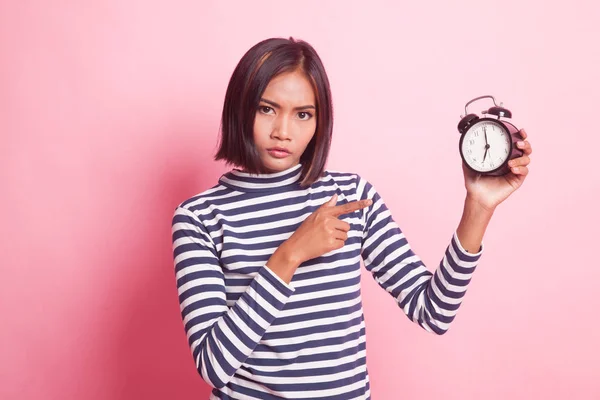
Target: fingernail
(520, 143)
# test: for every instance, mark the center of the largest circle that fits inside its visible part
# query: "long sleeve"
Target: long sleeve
(429, 299)
(220, 337)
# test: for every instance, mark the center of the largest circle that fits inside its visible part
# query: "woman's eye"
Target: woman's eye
(304, 113)
(262, 109)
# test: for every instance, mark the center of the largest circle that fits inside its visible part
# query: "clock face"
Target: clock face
(485, 146)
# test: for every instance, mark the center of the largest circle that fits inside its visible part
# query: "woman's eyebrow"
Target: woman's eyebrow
(278, 106)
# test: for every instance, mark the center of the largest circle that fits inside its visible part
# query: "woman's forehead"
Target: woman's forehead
(290, 89)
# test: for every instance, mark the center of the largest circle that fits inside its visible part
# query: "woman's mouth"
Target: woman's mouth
(278, 152)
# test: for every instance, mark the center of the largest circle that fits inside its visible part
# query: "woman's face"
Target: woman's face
(285, 118)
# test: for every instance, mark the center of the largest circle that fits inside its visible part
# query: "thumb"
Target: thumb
(332, 201)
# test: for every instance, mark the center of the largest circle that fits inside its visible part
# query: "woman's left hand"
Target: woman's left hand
(489, 191)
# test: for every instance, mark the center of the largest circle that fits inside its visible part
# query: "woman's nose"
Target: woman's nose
(281, 128)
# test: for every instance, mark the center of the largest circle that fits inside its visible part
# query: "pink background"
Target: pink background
(109, 114)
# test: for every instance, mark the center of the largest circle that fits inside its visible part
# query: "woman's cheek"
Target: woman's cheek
(261, 125)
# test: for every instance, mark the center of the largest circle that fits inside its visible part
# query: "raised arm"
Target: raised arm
(429, 299)
(220, 338)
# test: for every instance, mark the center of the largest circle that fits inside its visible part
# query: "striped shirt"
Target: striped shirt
(254, 336)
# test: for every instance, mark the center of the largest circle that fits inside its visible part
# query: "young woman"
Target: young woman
(267, 261)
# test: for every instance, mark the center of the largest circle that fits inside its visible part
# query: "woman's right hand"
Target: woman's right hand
(322, 231)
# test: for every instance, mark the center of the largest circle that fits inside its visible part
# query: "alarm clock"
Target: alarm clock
(488, 143)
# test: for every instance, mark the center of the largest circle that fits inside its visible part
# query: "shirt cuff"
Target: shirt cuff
(277, 281)
(464, 254)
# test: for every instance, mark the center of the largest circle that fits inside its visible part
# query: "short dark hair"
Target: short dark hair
(257, 67)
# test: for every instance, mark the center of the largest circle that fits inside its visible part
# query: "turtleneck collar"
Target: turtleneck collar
(246, 182)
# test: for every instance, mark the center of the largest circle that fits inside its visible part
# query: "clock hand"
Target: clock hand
(487, 146)
(485, 134)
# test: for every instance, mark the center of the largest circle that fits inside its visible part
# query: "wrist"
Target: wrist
(474, 206)
(288, 255)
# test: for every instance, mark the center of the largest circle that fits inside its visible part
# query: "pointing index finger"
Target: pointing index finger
(351, 206)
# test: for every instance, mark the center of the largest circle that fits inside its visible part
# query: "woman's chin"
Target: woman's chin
(273, 164)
